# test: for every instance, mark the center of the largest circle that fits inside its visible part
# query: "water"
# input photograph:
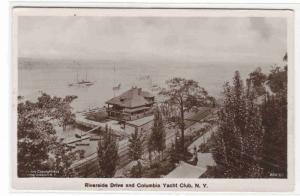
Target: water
(54, 81)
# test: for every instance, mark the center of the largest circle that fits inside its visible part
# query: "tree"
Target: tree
(35, 140)
(175, 150)
(285, 57)
(150, 149)
(38, 148)
(253, 138)
(184, 95)
(157, 139)
(135, 146)
(63, 110)
(274, 114)
(238, 141)
(107, 154)
(64, 158)
(256, 80)
(277, 79)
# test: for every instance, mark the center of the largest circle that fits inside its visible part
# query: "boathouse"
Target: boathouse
(131, 105)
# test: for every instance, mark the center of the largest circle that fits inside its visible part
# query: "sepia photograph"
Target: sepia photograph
(143, 96)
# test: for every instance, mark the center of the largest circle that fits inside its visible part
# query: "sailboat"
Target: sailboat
(152, 86)
(118, 87)
(82, 82)
(85, 82)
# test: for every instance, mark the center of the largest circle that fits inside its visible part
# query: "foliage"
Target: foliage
(137, 170)
(157, 139)
(204, 148)
(185, 95)
(239, 138)
(213, 172)
(63, 160)
(107, 154)
(256, 81)
(38, 148)
(274, 113)
(252, 139)
(63, 109)
(97, 116)
(277, 79)
(175, 154)
(285, 57)
(135, 146)
(156, 170)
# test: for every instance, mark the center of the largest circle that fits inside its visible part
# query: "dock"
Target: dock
(74, 139)
(94, 125)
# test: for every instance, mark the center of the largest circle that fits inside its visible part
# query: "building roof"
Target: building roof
(185, 170)
(132, 98)
(205, 159)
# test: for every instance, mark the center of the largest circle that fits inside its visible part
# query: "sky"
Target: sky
(182, 39)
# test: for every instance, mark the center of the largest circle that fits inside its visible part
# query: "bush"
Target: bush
(137, 170)
(203, 148)
(97, 116)
(158, 169)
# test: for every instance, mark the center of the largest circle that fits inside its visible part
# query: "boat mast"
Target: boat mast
(76, 70)
(114, 80)
(77, 78)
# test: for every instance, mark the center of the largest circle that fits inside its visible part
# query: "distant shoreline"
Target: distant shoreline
(39, 63)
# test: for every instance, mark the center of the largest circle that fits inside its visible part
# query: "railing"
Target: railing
(126, 116)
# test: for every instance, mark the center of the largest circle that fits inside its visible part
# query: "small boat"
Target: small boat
(116, 88)
(71, 146)
(77, 135)
(82, 83)
(85, 82)
(155, 88)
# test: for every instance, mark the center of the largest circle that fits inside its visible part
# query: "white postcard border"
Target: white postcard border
(78, 184)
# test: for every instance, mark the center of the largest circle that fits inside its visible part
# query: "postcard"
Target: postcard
(152, 99)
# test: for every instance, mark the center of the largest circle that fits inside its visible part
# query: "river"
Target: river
(55, 80)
